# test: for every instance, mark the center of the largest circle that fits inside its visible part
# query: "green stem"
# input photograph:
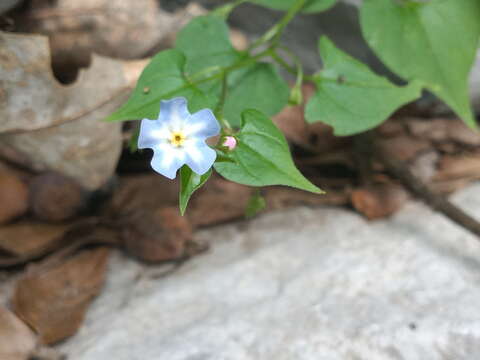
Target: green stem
(225, 10)
(291, 69)
(221, 103)
(275, 32)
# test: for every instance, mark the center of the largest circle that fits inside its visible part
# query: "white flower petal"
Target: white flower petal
(174, 113)
(202, 124)
(167, 160)
(199, 157)
(152, 132)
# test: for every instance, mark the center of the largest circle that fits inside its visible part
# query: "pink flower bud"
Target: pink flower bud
(230, 142)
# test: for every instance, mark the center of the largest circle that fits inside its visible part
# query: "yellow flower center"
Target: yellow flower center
(177, 138)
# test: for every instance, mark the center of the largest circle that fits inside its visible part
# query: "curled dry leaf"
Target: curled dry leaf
(17, 341)
(27, 240)
(13, 197)
(60, 128)
(378, 201)
(52, 298)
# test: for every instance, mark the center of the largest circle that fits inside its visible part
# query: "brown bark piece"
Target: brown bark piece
(53, 298)
(379, 201)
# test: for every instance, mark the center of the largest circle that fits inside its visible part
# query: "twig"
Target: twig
(422, 191)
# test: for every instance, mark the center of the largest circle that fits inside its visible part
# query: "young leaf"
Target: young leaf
(161, 79)
(350, 97)
(262, 156)
(433, 41)
(255, 205)
(258, 87)
(206, 44)
(189, 183)
(312, 6)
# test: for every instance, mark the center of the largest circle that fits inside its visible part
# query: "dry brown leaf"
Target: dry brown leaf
(316, 137)
(403, 147)
(70, 136)
(379, 201)
(150, 191)
(283, 197)
(218, 201)
(55, 197)
(17, 341)
(13, 197)
(156, 235)
(53, 298)
(458, 167)
(29, 240)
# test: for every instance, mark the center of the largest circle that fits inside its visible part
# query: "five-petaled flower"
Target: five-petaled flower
(178, 137)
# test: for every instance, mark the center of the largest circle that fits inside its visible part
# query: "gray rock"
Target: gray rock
(300, 284)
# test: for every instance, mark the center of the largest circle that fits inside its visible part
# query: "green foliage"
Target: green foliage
(350, 97)
(312, 6)
(256, 203)
(206, 44)
(434, 42)
(189, 183)
(262, 156)
(161, 79)
(259, 87)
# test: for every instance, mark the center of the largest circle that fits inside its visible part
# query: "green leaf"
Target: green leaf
(206, 43)
(259, 87)
(434, 42)
(350, 97)
(311, 7)
(161, 79)
(262, 156)
(256, 203)
(189, 183)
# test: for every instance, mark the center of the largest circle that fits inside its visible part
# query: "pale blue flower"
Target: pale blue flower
(178, 137)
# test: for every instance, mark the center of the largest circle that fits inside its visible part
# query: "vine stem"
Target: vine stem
(275, 32)
(221, 103)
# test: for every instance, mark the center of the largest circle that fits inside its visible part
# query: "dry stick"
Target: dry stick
(421, 190)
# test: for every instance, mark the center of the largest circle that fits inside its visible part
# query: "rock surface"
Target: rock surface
(300, 284)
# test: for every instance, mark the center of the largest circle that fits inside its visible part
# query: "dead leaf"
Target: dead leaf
(27, 240)
(17, 341)
(155, 235)
(218, 201)
(403, 147)
(53, 298)
(458, 167)
(70, 136)
(379, 201)
(55, 197)
(13, 197)
(284, 197)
